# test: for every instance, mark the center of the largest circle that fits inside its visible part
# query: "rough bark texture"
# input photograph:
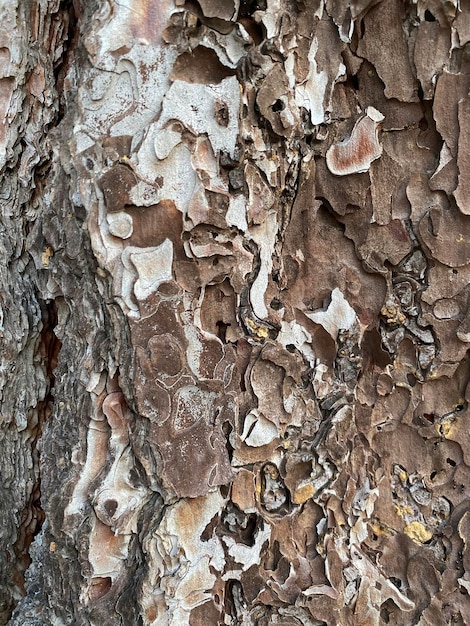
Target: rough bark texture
(235, 256)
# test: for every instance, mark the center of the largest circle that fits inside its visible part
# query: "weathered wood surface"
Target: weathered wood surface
(235, 256)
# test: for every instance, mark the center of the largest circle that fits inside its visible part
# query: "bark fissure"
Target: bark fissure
(30, 347)
(32, 516)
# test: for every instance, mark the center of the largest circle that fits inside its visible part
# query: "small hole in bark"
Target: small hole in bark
(134, 478)
(276, 304)
(362, 29)
(309, 139)
(433, 475)
(227, 430)
(411, 380)
(451, 462)
(278, 106)
(248, 7)
(221, 113)
(290, 347)
(110, 506)
(384, 616)
(222, 330)
(423, 124)
(216, 416)
(255, 30)
(201, 65)
(428, 16)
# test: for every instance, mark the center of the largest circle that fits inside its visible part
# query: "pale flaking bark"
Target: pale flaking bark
(235, 257)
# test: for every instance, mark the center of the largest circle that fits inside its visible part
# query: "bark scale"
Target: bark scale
(235, 256)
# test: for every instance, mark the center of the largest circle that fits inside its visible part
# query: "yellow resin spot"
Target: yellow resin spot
(259, 331)
(445, 427)
(403, 510)
(393, 314)
(380, 529)
(303, 493)
(46, 256)
(418, 532)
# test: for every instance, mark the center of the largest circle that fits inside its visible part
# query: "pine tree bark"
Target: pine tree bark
(235, 256)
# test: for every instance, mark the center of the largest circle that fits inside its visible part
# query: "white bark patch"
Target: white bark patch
(107, 551)
(338, 316)
(257, 430)
(315, 92)
(236, 214)
(270, 17)
(97, 450)
(127, 22)
(11, 57)
(265, 237)
(311, 94)
(182, 561)
(164, 142)
(247, 555)
(445, 157)
(126, 97)
(295, 334)
(175, 174)
(372, 577)
(192, 405)
(117, 502)
(194, 105)
(153, 267)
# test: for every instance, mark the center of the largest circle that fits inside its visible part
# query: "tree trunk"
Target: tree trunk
(235, 255)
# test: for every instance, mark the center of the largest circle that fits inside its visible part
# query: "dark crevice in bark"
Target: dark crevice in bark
(32, 519)
(33, 516)
(69, 13)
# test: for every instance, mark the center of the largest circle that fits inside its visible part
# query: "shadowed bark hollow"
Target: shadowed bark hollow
(234, 312)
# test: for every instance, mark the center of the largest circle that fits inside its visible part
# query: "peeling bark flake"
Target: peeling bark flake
(234, 313)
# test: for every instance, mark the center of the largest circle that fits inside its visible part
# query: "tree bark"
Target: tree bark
(235, 256)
